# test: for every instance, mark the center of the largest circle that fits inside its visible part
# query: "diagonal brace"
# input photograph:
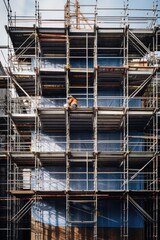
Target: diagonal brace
(140, 209)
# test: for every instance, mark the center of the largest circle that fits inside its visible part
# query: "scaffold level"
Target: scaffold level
(88, 173)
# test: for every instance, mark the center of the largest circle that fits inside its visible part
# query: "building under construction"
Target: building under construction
(90, 173)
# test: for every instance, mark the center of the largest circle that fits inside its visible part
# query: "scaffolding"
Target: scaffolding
(84, 164)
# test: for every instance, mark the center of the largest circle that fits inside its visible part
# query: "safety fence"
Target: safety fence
(81, 179)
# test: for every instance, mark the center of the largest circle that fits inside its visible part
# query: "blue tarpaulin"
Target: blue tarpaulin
(82, 178)
(53, 213)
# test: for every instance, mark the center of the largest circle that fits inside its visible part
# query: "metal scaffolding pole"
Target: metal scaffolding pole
(37, 203)
(126, 157)
(67, 175)
(125, 217)
(95, 232)
(9, 133)
(67, 117)
(155, 162)
(95, 131)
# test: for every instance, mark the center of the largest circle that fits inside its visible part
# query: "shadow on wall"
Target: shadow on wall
(49, 220)
(47, 232)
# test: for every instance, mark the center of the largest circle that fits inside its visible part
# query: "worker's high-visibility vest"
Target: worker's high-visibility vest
(72, 101)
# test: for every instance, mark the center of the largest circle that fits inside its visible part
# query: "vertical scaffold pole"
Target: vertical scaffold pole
(95, 126)
(67, 116)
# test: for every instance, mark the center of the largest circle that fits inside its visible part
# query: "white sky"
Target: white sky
(26, 7)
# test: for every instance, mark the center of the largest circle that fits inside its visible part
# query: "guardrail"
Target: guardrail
(79, 179)
(58, 144)
(25, 105)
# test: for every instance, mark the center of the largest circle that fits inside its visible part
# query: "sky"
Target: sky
(27, 7)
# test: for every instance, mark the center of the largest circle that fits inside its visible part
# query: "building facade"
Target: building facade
(89, 173)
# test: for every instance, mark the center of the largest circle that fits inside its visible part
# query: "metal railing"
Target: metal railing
(90, 15)
(80, 179)
(58, 144)
(24, 105)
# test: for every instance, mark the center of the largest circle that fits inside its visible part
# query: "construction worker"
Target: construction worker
(72, 102)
